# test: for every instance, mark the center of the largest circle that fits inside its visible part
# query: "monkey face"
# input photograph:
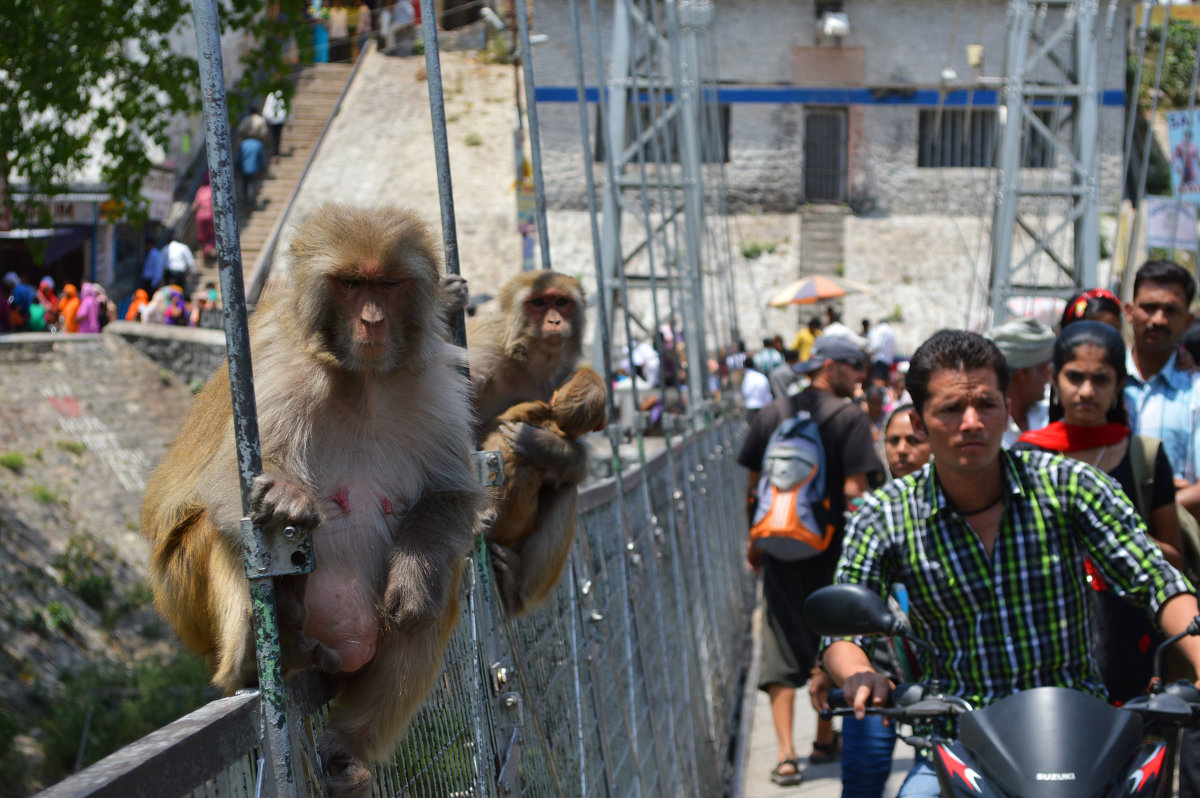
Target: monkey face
(552, 313)
(364, 285)
(371, 310)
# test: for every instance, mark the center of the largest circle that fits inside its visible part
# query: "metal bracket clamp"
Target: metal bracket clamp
(489, 468)
(507, 778)
(275, 551)
(674, 423)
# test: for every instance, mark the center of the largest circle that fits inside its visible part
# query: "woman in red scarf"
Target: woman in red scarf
(1088, 422)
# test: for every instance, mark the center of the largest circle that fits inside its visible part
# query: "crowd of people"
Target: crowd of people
(341, 29)
(75, 310)
(162, 298)
(1041, 482)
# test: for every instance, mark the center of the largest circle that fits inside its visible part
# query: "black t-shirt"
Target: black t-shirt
(845, 434)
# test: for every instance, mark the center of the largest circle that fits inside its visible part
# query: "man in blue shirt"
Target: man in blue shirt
(252, 161)
(1160, 397)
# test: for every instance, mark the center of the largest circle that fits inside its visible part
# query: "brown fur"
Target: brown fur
(511, 361)
(365, 430)
(577, 408)
(522, 354)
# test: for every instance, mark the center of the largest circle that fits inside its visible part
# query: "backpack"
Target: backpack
(1143, 451)
(790, 515)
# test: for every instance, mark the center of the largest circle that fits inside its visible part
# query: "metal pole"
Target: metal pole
(1004, 222)
(535, 136)
(614, 139)
(1087, 142)
(685, 16)
(441, 153)
(241, 382)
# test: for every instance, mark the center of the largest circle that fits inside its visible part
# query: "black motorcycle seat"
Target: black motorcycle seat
(1050, 742)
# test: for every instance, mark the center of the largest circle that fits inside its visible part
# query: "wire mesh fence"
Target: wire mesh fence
(623, 683)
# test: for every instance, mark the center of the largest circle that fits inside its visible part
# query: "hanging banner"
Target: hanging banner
(1170, 224)
(1171, 230)
(1185, 154)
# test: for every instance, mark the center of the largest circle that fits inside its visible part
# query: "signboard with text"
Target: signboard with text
(159, 190)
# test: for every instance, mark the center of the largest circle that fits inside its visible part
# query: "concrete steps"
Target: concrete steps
(318, 88)
(822, 239)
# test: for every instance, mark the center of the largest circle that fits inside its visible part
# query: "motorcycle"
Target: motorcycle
(1046, 742)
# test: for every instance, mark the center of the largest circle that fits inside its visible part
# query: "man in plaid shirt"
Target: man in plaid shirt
(990, 546)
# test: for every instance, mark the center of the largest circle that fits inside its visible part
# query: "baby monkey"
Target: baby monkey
(527, 561)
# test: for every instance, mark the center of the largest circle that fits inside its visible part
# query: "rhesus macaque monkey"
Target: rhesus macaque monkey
(521, 353)
(366, 429)
(530, 346)
(575, 409)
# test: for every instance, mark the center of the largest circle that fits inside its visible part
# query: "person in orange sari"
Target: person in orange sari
(140, 298)
(69, 307)
(48, 300)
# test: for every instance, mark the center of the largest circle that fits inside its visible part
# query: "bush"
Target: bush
(13, 769)
(125, 703)
(13, 461)
(81, 570)
(753, 249)
(43, 495)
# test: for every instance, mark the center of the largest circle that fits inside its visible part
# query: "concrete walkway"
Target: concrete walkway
(820, 781)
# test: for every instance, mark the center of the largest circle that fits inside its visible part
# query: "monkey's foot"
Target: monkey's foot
(346, 773)
(506, 567)
(302, 652)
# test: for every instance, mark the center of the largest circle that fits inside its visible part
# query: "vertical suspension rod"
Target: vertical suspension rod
(280, 779)
(535, 132)
(441, 155)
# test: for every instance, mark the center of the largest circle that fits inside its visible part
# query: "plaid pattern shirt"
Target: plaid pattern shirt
(1020, 618)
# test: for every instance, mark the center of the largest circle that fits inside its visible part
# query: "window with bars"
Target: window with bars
(966, 138)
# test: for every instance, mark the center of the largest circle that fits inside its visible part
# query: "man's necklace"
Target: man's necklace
(1103, 452)
(987, 506)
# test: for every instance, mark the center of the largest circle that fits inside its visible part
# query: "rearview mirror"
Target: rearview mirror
(848, 610)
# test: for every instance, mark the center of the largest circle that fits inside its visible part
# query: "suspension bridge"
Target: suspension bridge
(632, 679)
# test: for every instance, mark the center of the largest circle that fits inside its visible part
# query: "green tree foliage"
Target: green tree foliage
(85, 81)
(1178, 64)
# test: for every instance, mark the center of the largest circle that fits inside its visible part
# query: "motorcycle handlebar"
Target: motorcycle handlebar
(908, 701)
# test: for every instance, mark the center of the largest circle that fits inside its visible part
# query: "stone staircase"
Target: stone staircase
(821, 238)
(317, 90)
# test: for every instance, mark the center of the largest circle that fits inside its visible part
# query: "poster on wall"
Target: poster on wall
(1185, 154)
(1171, 230)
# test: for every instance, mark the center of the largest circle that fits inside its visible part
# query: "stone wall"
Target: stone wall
(192, 354)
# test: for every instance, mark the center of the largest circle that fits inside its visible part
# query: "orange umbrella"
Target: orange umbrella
(816, 287)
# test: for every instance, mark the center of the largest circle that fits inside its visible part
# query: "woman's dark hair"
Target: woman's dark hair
(1089, 303)
(1102, 336)
(887, 422)
(957, 350)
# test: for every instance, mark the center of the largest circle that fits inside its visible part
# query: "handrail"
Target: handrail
(266, 256)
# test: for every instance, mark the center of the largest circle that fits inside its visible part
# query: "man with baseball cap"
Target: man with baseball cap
(1028, 348)
(789, 651)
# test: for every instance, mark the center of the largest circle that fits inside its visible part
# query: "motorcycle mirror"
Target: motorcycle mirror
(847, 610)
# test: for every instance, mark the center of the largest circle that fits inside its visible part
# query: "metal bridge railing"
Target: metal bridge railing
(625, 683)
